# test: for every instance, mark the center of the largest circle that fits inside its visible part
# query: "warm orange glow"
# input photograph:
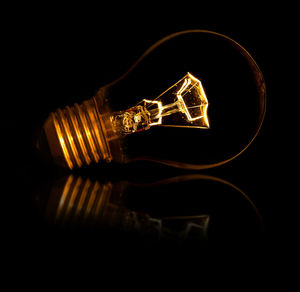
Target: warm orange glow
(189, 86)
(95, 204)
(80, 134)
(87, 132)
(184, 104)
(160, 109)
(62, 141)
(82, 198)
(81, 202)
(64, 195)
(91, 132)
(70, 138)
(201, 95)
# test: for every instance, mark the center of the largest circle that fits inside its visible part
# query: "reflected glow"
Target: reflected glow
(82, 202)
(92, 204)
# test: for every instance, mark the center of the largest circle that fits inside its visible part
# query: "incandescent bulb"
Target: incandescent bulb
(195, 99)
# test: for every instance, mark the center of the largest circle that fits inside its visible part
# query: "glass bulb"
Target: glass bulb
(195, 99)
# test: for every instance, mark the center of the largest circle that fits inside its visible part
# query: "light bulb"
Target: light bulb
(195, 99)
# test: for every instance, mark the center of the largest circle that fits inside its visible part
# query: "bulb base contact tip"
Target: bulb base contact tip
(76, 135)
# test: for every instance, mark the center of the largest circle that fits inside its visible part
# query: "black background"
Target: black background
(55, 57)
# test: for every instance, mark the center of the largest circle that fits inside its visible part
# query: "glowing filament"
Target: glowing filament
(182, 105)
(190, 83)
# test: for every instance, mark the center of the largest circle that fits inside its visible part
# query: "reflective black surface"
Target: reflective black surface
(62, 64)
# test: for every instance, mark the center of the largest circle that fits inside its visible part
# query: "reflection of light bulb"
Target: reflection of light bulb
(218, 208)
(100, 206)
(132, 119)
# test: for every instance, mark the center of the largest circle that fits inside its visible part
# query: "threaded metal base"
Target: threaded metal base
(81, 134)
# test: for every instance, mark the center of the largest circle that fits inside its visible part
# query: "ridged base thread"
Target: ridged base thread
(81, 134)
